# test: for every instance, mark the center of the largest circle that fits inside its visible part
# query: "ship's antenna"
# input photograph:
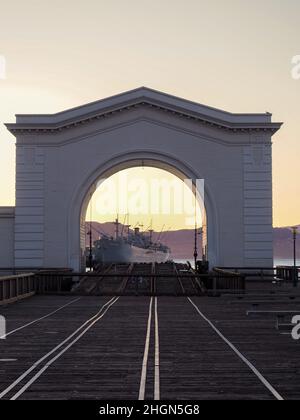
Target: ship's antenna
(196, 232)
(117, 226)
(125, 217)
(128, 224)
(161, 232)
(100, 232)
(151, 231)
(150, 226)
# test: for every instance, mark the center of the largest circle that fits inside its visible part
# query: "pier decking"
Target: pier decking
(150, 347)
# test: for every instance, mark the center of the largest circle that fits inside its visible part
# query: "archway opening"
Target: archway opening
(147, 207)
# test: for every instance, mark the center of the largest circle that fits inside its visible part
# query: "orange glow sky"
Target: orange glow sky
(234, 55)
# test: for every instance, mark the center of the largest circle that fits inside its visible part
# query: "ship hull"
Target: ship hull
(116, 252)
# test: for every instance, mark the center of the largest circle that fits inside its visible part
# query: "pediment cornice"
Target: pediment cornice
(143, 98)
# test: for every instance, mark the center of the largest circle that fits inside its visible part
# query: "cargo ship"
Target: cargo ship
(129, 247)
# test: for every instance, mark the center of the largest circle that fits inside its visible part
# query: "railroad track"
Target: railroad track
(166, 286)
(187, 285)
(19, 386)
(88, 285)
(137, 284)
(149, 348)
(109, 286)
(106, 286)
(157, 333)
(139, 279)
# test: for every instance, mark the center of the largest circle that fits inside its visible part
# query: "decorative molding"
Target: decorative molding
(7, 212)
(263, 127)
(34, 141)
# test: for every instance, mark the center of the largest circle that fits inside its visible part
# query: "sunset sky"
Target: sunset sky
(155, 198)
(234, 55)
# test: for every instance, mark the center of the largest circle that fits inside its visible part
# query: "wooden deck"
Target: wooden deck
(106, 362)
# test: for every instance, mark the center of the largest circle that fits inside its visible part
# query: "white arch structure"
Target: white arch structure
(61, 157)
(136, 159)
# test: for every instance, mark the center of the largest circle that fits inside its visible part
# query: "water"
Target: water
(277, 262)
(286, 262)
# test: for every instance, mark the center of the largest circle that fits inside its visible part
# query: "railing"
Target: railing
(217, 281)
(13, 288)
(54, 281)
(20, 286)
(257, 273)
(227, 280)
(61, 281)
(288, 273)
(268, 274)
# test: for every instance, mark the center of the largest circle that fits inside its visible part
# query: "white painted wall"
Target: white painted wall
(56, 169)
(7, 220)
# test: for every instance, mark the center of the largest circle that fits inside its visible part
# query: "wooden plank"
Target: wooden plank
(16, 299)
(106, 363)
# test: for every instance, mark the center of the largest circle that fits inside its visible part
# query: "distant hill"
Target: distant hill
(181, 242)
(283, 243)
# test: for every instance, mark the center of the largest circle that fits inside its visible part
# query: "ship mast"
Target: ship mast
(128, 225)
(151, 232)
(161, 232)
(124, 225)
(117, 224)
